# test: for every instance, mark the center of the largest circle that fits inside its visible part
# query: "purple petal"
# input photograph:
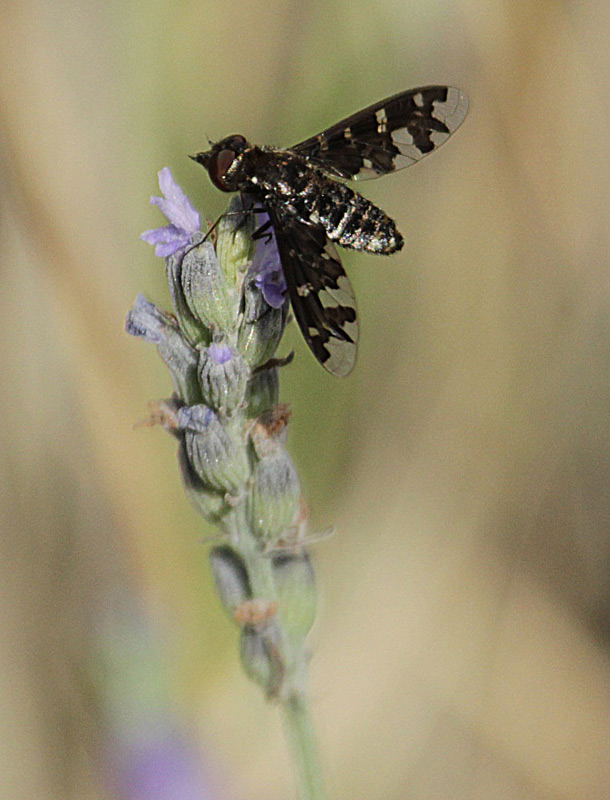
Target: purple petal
(168, 249)
(169, 240)
(176, 206)
(267, 268)
(160, 235)
(195, 418)
(145, 320)
(273, 287)
(220, 353)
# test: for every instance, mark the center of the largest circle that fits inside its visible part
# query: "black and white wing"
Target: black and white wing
(320, 292)
(388, 135)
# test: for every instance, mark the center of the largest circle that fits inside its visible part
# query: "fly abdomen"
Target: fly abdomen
(369, 228)
(353, 221)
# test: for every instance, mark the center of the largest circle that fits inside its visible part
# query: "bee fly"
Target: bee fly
(310, 207)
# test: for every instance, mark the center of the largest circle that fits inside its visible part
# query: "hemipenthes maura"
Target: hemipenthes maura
(310, 208)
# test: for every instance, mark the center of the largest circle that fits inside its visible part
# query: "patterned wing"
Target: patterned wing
(320, 292)
(389, 135)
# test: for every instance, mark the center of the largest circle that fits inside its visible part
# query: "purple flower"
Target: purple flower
(158, 762)
(267, 268)
(183, 218)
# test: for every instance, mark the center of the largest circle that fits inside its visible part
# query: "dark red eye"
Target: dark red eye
(219, 164)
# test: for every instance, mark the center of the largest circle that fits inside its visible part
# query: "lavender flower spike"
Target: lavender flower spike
(183, 218)
(220, 344)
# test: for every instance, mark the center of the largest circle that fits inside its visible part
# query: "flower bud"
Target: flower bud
(261, 657)
(155, 326)
(295, 582)
(263, 391)
(230, 577)
(188, 322)
(273, 501)
(234, 243)
(223, 375)
(215, 451)
(209, 502)
(261, 326)
(205, 289)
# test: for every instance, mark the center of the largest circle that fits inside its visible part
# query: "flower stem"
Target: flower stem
(303, 745)
(220, 346)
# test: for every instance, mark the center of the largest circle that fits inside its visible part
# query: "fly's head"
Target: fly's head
(225, 163)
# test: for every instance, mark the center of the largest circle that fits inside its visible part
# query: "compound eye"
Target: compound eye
(237, 141)
(219, 164)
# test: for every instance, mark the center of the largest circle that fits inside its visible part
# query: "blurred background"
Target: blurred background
(462, 648)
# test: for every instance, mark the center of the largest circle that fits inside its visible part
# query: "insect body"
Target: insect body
(311, 208)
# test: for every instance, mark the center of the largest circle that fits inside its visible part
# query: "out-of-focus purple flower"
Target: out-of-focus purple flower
(149, 751)
(220, 353)
(161, 766)
(183, 218)
(267, 269)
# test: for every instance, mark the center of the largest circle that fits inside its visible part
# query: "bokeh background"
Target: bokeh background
(462, 644)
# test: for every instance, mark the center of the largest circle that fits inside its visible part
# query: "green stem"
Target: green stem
(304, 750)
